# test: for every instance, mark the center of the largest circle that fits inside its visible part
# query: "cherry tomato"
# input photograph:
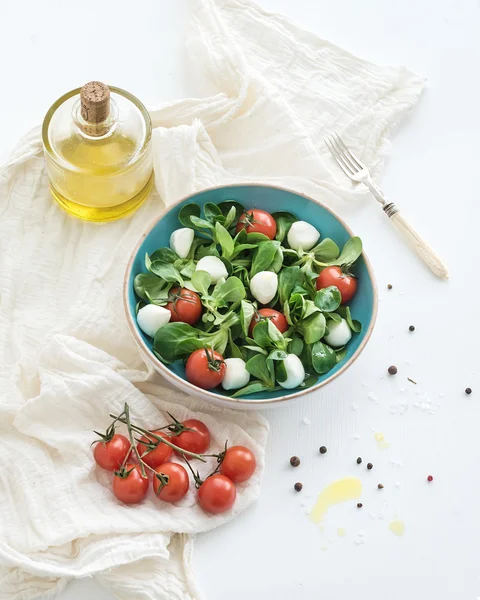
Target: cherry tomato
(185, 306)
(257, 221)
(130, 487)
(197, 441)
(347, 284)
(238, 464)
(217, 494)
(205, 368)
(156, 456)
(276, 317)
(177, 485)
(110, 455)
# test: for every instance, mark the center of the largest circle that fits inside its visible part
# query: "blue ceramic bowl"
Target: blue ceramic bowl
(271, 199)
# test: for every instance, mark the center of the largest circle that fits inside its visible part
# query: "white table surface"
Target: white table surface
(273, 551)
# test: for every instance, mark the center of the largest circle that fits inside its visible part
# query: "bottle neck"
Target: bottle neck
(95, 130)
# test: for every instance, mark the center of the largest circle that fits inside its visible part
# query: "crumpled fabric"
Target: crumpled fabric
(67, 358)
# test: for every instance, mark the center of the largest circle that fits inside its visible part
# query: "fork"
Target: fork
(358, 172)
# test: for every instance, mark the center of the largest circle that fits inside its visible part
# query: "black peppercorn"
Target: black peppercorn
(380, 486)
(389, 286)
(294, 461)
(359, 460)
(411, 328)
(359, 505)
(392, 370)
(369, 466)
(323, 449)
(468, 391)
(298, 486)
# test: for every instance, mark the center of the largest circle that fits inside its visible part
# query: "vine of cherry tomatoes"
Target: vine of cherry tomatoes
(146, 463)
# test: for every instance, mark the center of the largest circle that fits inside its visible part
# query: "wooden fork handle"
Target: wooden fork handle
(416, 242)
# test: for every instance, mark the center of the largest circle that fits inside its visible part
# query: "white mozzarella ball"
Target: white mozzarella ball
(339, 334)
(295, 372)
(213, 266)
(302, 236)
(236, 375)
(264, 286)
(181, 241)
(151, 317)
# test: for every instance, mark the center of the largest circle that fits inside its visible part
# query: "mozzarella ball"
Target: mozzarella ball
(302, 236)
(339, 334)
(181, 241)
(151, 317)
(236, 375)
(213, 266)
(295, 372)
(264, 286)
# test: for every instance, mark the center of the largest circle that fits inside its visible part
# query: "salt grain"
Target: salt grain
(306, 421)
(384, 510)
(360, 539)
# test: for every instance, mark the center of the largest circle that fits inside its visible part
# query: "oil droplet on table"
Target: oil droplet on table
(397, 527)
(382, 444)
(341, 490)
(341, 532)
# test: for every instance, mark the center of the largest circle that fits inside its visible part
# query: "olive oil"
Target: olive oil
(397, 527)
(341, 490)
(98, 154)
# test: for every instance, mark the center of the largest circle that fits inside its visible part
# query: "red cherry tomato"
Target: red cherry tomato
(205, 368)
(217, 494)
(110, 455)
(130, 487)
(347, 284)
(185, 306)
(269, 313)
(257, 221)
(155, 456)
(177, 482)
(197, 441)
(238, 464)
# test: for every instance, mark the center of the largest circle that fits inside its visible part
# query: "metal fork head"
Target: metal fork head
(346, 159)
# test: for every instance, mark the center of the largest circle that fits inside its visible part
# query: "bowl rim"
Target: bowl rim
(207, 394)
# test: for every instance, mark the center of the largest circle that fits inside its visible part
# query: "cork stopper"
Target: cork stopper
(95, 102)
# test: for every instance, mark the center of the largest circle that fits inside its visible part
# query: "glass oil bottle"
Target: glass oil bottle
(98, 153)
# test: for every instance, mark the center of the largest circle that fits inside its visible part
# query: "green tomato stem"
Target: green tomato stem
(159, 439)
(127, 422)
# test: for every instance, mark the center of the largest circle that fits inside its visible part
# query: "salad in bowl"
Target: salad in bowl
(245, 302)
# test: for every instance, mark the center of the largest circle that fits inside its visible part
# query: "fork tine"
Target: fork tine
(359, 165)
(344, 153)
(337, 157)
(346, 168)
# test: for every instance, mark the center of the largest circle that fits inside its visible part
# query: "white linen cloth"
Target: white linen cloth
(66, 356)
